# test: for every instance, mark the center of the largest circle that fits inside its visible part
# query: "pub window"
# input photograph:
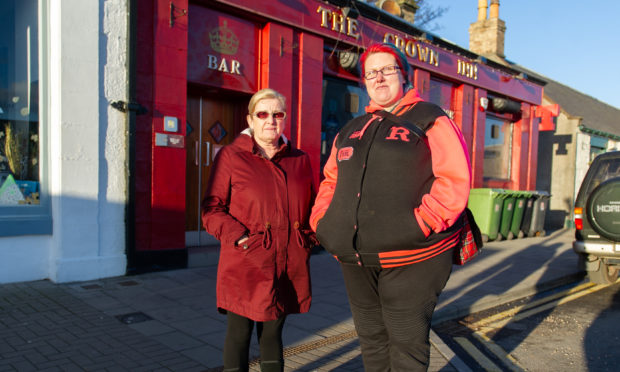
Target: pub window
(497, 148)
(441, 93)
(23, 205)
(343, 100)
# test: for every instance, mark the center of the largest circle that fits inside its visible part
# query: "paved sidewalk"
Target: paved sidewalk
(167, 321)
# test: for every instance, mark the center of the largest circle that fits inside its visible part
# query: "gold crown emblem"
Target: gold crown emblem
(223, 40)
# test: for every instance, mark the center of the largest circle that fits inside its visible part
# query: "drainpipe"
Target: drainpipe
(130, 208)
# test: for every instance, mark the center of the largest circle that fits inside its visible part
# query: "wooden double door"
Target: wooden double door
(212, 122)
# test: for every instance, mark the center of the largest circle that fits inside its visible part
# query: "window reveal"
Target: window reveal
(19, 103)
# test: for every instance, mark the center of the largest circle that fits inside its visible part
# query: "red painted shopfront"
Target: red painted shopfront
(199, 62)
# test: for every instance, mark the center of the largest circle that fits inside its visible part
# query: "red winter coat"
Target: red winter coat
(270, 201)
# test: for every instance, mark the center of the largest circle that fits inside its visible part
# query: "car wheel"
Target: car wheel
(603, 209)
(606, 274)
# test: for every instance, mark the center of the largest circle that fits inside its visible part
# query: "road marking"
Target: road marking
(447, 353)
(482, 359)
(499, 320)
(512, 312)
(540, 306)
(506, 358)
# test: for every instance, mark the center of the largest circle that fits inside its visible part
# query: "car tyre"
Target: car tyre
(606, 274)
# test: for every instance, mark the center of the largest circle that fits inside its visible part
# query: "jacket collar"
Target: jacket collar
(247, 143)
(412, 96)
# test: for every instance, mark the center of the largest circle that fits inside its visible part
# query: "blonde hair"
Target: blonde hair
(266, 93)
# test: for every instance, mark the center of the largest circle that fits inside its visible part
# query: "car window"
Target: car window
(601, 170)
(606, 170)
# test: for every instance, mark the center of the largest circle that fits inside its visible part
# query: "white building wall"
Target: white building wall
(582, 158)
(562, 169)
(613, 145)
(87, 142)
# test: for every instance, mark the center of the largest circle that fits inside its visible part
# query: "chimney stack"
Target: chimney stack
(486, 35)
(404, 9)
(494, 13)
(482, 10)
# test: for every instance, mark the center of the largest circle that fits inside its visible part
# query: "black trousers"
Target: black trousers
(392, 310)
(238, 336)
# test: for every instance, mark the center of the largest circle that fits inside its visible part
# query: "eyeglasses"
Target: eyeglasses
(385, 71)
(278, 115)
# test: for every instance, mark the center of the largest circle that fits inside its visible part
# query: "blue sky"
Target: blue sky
(576, 43)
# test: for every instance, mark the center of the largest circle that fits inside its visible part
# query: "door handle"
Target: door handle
(208, 162)
(196, 153)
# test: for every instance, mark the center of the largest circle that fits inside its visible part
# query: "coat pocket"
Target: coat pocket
(254, 242)
(256, 257)
(398, 231)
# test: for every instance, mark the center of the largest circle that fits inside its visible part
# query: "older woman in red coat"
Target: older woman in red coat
(257, 205)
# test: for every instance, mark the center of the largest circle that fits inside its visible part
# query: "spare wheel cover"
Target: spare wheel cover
(603, 209)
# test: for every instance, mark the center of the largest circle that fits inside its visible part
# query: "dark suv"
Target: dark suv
(597, 219)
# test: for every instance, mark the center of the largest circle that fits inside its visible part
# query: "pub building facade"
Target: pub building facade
(198, 63)
(108, 135)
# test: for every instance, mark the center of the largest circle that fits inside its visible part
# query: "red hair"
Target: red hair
(399, 56)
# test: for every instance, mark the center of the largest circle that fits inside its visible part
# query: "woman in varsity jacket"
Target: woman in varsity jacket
(389, 209)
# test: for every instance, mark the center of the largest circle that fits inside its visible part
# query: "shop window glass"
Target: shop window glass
(597, 146)
(20, 136)
(342, 101)
(442, 94)
(497, 148)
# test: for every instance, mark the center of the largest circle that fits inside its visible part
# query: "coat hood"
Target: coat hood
(412, 96)
(246, 142)
(248, 132)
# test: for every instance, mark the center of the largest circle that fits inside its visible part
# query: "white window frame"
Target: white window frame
(36, 219)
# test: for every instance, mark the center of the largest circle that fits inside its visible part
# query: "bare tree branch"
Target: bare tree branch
(427, 14)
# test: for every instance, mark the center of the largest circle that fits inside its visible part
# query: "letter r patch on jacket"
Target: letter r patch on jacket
(398, 133)
(345, 153)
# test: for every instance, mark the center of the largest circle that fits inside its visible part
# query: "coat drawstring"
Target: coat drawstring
(267, 236)
(298, 234)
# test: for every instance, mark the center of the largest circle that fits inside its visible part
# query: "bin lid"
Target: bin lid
(485, 191)
(522, 193)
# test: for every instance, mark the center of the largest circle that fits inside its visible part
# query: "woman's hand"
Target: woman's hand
(242, 240)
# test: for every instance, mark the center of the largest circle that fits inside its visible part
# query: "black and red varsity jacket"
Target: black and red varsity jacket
(391, 197)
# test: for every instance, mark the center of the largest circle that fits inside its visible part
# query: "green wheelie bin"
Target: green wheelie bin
(507, 213)
(486, 206)
(519, 211)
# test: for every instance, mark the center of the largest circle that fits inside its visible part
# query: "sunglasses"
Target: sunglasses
(278, 115)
